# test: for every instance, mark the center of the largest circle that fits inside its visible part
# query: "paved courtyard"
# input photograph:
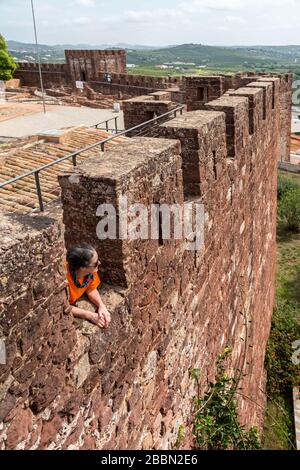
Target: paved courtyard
(22, 119)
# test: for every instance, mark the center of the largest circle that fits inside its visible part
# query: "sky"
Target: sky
(153, 22)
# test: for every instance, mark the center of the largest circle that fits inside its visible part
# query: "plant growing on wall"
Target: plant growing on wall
(7, 63)
(216, 423)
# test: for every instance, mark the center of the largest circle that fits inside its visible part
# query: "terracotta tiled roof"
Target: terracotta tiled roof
(295, 143)
(19, 158)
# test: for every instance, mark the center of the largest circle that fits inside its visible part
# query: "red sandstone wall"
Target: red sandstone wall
(201, 90)
(120, 90)
(146, 81)
(90, 65)
(177, 94)
(285, 115)
(192, 301)
(52, 378)
(144, 108)
(86, 64)
(53, 74)
(80, 65)
(70, 385)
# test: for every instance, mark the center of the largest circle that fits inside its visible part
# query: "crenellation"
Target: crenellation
(276, 89)
(69, 385)
(255, 97)
(267, 96)
(144, 108)
(202, 137)
(236, 109)
(200, 90)
(286, 82)
(161, 95)
(141, 170)
(194, 91)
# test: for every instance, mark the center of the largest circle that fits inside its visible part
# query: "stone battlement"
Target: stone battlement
(195, 91)
(33, 66)
(68, 384)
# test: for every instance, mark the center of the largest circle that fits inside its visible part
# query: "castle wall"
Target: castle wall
(191, 304)
(86, 64)
(119, 90)
(144, 108)
(146, 81)
(201, 90)
(195, 91)
(172, 309)
(90, 66)
(36, 331)
(80, 65)
(53, 74)
(286, 116)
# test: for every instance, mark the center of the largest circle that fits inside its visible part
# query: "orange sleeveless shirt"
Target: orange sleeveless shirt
(76, 292)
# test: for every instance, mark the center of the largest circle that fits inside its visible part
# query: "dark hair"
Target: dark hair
(79, 256)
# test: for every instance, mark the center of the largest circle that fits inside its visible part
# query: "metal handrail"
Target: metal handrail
(113, 131)
(96, 126)
(74, 155)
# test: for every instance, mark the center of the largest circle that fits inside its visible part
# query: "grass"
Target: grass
(291, 176)
(148, 69)
(288, 266)
(152, 71)
(279, 432)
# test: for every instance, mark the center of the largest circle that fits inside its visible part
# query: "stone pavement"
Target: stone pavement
(12, 110)
(56, 117)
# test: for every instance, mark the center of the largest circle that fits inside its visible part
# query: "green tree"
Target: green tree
(7, 63)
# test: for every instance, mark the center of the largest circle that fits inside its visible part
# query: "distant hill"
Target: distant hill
(234, 57)
(18, 46)
(212, 55)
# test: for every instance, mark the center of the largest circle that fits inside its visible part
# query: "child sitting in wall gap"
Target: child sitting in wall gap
(82, 276)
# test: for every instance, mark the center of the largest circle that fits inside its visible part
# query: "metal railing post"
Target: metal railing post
(39, 191)
(106, 123)
(140, 128)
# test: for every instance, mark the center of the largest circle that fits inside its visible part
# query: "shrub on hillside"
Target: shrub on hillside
(289, 209)
(284, 185)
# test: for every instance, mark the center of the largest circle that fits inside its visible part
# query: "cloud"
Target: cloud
(80, 21)
(184, 10)
(227, 5)
(86, 3)
(154, 21)
(235, 19)
(147, 16)
(208, 5)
